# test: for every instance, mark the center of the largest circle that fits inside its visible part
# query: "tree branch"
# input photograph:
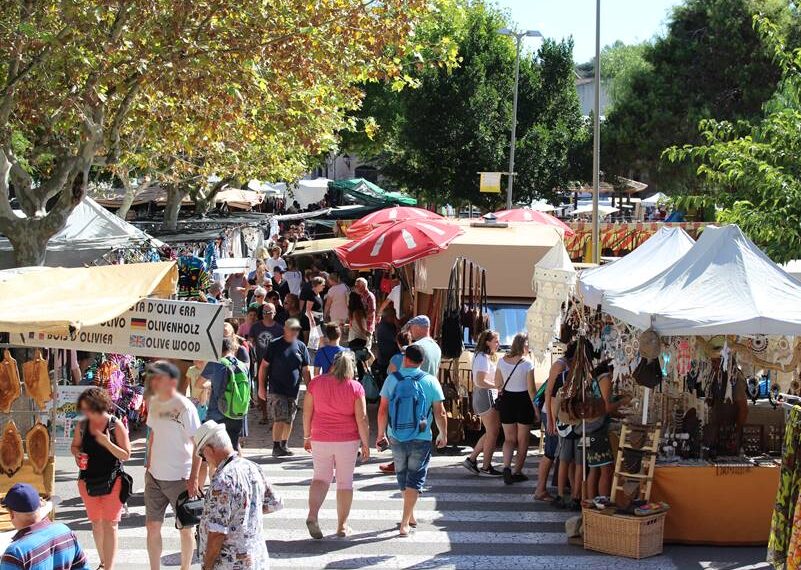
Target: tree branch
(5, 204)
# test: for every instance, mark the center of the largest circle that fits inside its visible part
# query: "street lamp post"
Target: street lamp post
(518, 36)
(596, 141)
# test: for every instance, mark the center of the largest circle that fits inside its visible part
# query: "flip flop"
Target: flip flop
(404, 534)
(544, 497)
(345, 532)
(411, 525)
(314, 529)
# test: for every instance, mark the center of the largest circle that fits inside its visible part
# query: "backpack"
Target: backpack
(408, 407)
(235, 400)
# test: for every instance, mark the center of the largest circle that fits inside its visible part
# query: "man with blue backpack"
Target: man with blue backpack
(411, 400)
(230, 391)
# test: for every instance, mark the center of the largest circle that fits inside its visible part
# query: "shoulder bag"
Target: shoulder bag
(103, 485)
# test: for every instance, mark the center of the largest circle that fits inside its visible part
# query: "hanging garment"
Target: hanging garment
(782, 527)
(211, 256)
(193, 277)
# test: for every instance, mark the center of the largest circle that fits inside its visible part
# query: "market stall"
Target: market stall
(713, 322)
(113, 313)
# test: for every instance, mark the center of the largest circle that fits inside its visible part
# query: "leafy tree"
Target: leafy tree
(751, 171)
(434, 137)
(176, 89)
(710, 63)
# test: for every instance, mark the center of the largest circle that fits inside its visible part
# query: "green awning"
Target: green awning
(364, 192)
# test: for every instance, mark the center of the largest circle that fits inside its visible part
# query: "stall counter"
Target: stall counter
(717, 505)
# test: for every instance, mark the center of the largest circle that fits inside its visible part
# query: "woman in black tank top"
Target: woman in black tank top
(100, 445)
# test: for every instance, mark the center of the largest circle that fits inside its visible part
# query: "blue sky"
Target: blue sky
(628, 20)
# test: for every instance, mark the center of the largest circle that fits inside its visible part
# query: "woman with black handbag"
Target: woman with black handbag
(515, 377)
(100, 445)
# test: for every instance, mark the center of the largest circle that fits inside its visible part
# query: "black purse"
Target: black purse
(103, 485)
(452, 337)
(497, 403)
(189, 510)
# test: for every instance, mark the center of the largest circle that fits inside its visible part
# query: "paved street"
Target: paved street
(465, 522)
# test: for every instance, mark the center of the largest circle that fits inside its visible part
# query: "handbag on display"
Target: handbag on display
(481, 322)
(452, 337)
(578, 401)
(648, 372)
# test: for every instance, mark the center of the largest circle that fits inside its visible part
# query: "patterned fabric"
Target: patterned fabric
(211, 256)
(44, 546)
(368, 299)
(785, 523)
(193, 277)
(794, 548)
(237, 499)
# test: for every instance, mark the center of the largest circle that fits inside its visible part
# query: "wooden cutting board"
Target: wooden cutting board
(37, 380)
(37, 442)
(9, 382)
(11, 451)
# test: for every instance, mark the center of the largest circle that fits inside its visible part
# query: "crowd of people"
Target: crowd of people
(317, 329)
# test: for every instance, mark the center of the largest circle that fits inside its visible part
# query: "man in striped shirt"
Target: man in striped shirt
(39, 544)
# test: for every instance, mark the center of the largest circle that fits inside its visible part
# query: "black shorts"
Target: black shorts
(516, 408)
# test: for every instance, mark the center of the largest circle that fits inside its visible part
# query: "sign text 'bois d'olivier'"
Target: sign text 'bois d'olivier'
(153, 327)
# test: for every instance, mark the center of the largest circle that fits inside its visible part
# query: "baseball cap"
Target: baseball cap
(22, 498)
(165, 368)
(278, 269)
(419, 321)
(414, 353)
(293, 324)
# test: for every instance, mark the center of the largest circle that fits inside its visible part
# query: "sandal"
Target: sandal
(544, 497)
(314, 529)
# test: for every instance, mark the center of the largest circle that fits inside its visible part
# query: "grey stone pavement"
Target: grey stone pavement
(465, 522)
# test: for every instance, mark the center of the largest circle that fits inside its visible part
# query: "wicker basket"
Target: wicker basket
(623, 535)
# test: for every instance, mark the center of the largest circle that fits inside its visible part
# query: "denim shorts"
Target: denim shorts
(551, 442)
(411, 462)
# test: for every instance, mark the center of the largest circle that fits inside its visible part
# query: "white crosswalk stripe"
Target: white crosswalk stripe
(464, 522)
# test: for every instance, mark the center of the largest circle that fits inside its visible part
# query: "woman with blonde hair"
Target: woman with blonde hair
(485, 392)
(514, 377)
(334, 428)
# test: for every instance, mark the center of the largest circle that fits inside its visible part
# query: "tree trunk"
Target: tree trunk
(128, 198)
(30, 245)
(173, 208)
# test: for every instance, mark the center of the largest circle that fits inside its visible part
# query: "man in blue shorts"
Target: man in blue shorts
(410, 402)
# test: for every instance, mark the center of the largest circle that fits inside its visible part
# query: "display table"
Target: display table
(717, 505)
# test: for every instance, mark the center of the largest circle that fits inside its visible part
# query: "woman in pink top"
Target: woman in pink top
(334, 425)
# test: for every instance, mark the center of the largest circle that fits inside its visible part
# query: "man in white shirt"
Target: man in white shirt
(336, 300)
(171, 466)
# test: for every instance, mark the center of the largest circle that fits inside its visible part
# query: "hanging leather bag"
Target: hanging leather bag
(481, 322)
(452, 331)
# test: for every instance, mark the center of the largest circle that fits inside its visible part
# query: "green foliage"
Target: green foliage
(710, 63)
(620, 64)
(751, 171)
(433, 139)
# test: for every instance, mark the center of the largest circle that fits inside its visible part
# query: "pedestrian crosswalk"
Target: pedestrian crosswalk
(464, 522)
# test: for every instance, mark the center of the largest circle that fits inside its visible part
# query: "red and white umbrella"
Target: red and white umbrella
(394, 245)
(389, 216)
(534, 216)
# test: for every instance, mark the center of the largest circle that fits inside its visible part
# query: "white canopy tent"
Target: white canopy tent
(723, 285)
(310, 191)
(91, 232)
(655, 199)
(659, 252)
(603, 211)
